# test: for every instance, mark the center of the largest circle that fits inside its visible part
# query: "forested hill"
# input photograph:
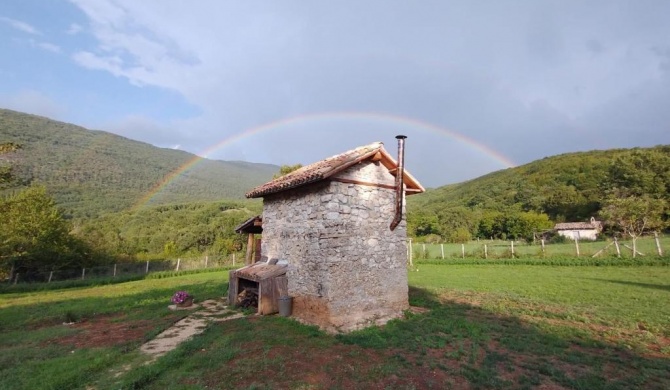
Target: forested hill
(93, 172)
(568, 187)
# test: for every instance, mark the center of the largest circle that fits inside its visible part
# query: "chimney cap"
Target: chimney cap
(400, 136)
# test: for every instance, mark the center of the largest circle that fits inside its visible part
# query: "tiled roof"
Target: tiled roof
(578, 225)
(325, 168)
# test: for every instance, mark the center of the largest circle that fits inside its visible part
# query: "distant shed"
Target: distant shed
(580, 230)
(251, 227)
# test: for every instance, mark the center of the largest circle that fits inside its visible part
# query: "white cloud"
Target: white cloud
(21, 26)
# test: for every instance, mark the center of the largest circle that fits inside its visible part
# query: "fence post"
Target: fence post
(442, 250)
(542, 243)
(512, 246)
(658, 244)
(147, 270)
(233, 259)
(178, 263)
(114, 275)
(206, 261)
(51, 274)
(411, 262)
(83, 273)
(616, 244)
(577, 245)
(463, 251)
(486, 252)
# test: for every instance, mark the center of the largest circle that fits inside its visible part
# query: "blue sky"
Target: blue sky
(475, 85)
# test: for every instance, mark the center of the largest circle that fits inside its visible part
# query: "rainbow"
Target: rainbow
(329, 116)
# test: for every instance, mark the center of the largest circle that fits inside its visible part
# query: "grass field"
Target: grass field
(487, 326)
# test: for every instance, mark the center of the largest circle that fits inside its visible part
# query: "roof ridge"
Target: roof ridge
(316, 171)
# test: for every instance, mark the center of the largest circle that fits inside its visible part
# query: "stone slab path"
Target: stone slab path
(196, 323)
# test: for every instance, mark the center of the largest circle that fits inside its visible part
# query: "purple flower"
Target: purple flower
(180, 297)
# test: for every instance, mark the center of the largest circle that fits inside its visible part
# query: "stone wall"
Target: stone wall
(347, 269)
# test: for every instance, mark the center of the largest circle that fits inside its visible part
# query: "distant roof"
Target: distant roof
(324, 169)
(597, 225)
(251, 225)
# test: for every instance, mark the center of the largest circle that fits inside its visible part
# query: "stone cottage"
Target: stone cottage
(329, 221)
(580, 230)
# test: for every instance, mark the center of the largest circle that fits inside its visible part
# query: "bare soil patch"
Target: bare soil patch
(106, 331)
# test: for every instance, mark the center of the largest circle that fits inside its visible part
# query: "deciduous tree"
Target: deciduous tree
(34, 237)
(634, 215)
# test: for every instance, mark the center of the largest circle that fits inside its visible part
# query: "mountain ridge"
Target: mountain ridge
(90, 172)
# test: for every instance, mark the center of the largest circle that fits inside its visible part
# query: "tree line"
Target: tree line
(623, 187)
(629, 189)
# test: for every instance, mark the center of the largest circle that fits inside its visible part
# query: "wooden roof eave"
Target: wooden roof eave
(412, 186)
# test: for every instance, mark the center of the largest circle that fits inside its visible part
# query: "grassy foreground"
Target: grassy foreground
(487, 326)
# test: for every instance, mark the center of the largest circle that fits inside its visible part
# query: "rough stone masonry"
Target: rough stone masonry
(347, 269)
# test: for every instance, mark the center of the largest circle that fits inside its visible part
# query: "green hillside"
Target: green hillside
(568, 187)
(93, 172)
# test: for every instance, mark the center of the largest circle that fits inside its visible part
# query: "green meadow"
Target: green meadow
(478, 326)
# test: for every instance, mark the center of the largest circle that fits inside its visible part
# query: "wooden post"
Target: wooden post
(147, 270)
(634, 246)
(618, 250)
(83, 273)
(250, 249)
(602, 250)
(486, 252)
(577, 245)
(178, 263)
(542, 243)
(512, 246)
(114, 275)
(206, 261)
(442, 250)
(411, 261)
(463, 251)
(51, 274)
(634, 250)
(233, 259)
(658, 244)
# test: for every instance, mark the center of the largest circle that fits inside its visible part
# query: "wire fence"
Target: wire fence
(656, 245)
(130, 269)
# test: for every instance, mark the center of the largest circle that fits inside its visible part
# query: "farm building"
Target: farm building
(580, 230)
(337, 225)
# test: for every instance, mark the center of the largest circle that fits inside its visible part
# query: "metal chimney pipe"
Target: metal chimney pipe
(399, 185)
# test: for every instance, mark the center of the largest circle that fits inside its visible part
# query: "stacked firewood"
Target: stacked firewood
(248, 297)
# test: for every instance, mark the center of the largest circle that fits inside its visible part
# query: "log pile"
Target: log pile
(248, 297)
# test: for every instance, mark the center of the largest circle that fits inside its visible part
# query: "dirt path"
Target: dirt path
(206, 312)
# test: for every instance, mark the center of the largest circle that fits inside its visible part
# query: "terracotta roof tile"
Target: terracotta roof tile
(316, 172)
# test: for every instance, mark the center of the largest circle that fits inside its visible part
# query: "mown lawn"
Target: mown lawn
(487, 326)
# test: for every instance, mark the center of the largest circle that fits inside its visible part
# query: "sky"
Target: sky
(477, 86)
